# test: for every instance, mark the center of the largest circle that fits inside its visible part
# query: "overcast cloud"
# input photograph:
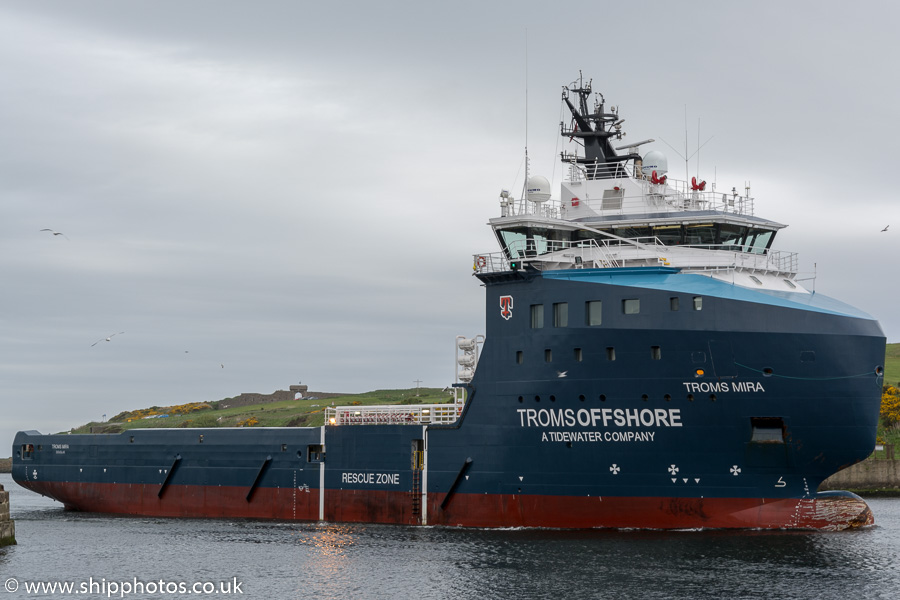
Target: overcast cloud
(259, 193)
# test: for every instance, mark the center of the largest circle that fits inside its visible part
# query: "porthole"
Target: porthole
(537, 398)
(521, 399)
(581, 397)
(552, 398)
(690, 397)
(645, 397)
(602, 397)
(712, 397)
(668, 398)
(767, 372)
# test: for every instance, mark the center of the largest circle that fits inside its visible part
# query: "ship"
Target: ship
(648, 361)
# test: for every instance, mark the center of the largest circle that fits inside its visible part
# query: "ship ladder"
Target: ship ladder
(416, 496)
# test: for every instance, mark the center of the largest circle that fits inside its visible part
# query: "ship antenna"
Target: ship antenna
(527, 166)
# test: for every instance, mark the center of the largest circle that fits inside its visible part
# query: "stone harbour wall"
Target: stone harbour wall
(868, 476)
(7, 526)
(5, 465)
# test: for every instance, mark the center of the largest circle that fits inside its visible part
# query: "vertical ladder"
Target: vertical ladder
(418, 460)
(416, 497)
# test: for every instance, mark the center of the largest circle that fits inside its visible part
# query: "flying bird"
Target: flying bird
(56, 233)
(106, 339)
(885, 228)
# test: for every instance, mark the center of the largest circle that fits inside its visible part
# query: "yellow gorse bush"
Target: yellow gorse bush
(890, 406)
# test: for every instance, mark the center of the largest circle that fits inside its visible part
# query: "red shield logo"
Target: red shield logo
(506, 305)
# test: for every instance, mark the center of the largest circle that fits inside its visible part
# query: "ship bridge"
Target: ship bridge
(617, 211)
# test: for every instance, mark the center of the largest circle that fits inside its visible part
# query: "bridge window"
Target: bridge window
(631, 306)
(673, 303)
(698, 302)
(668, 235)
(610, 354)
(528, 242)
(702, 234)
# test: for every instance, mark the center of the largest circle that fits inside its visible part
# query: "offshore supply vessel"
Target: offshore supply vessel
(649, 361)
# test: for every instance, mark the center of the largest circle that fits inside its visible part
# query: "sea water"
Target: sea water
(63, 554)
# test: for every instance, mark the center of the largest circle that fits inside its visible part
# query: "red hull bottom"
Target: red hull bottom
(833, 512)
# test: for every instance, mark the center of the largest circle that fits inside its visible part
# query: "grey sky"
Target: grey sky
(294, 190)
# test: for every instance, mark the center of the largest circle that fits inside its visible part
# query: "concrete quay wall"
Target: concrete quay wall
(868, 476)
(7, 526)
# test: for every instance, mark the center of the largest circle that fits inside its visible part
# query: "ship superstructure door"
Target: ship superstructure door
(722, 358)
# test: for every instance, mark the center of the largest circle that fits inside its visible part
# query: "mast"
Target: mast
(595, 128)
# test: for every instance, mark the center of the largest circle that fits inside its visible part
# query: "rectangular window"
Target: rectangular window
(561, 314)
(673, 303)
(610, 354)
(578, 355)
(548, 355)
(592, 312)
(631, 306)
(655, 352)
(537, 316)
(698, 302)
(520, 357)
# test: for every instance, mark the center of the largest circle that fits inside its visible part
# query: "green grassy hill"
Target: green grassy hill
(258, 410)
(892, 365)
(279, 409)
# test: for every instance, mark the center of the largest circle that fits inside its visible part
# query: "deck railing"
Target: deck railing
(614, 253)
(393, 414)
(675, 196)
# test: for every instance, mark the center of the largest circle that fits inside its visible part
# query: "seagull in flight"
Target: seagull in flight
(56, 233)
(885, 228)
(106, 339)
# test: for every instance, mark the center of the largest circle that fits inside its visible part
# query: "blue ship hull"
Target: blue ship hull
(727, 412)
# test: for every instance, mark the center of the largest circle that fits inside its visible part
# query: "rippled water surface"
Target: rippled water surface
(280, 560)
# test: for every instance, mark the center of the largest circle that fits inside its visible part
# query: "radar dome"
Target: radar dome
(655, 161)
(538, 189)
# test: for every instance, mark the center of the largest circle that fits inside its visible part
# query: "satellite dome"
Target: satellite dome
(538, 189)
(655, 161)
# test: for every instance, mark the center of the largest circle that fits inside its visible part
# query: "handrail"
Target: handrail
(393, 414)
(674, 196)
(644, 251)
